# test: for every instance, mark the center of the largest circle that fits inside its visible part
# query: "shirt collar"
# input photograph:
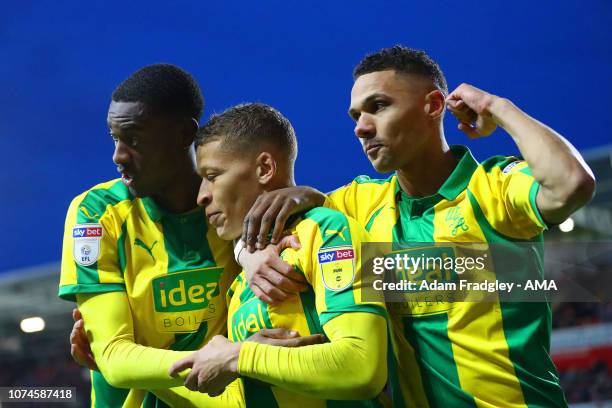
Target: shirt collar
(157, 213)
(455, 183)
(461, 175)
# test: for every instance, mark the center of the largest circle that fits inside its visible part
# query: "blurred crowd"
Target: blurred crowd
(587, 385)
(579, 314)
(58, 371)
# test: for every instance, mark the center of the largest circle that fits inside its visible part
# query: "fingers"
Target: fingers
(296, 341)
(260, 293)
(191, 381)
(276, 294)
(462, 112)
(282, 276)
(251, 224)
(468, 130)
(278, 333)
(269, 217)
(289, 241)
(79, 347)
(181, 365)
(281, 219)
(76, 314)
(216, 393)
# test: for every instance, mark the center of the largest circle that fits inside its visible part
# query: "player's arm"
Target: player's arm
(176, 396)
(566, 181)
(355, 354)
(351, 366)
(122, 362)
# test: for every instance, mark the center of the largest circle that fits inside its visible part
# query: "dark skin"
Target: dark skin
(153, 153)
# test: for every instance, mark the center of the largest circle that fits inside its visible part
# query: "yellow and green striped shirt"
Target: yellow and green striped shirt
(330, 258)
(173, 267)
(463, 354)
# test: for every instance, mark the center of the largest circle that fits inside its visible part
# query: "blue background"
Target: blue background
(59, 62)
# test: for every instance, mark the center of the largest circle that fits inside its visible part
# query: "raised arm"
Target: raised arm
(566, 181)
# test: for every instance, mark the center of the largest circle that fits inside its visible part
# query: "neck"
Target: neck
(424, 175)
(181, 194)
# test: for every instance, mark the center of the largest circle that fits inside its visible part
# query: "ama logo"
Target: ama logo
(86, 238)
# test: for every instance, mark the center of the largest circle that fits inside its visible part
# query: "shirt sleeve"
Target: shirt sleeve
(356, 354)
(507, 195)
(125, 364)
(90, 253)
(232, 397)
(331, 258)
(122, 362)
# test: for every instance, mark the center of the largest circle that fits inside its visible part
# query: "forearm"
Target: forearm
(356, 354)
(122, 362)
(565, 179)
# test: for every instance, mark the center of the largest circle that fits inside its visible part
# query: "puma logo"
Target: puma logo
(85, 212)
(340, 232)
(138, 242)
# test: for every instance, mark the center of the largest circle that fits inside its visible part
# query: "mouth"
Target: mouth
(213, 217)
(373, 148)
(126, 178)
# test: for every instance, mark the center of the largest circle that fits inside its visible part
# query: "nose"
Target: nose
(365, 128)
(121, 155)
(204, 195)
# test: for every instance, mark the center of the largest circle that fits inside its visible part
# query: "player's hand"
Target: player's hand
(471, 106)
(274, 208)
(270, 278)
(285, 338)
(213, 367)
(79, 344)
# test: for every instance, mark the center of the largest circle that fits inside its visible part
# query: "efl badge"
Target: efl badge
(86, 239)
(337, 267)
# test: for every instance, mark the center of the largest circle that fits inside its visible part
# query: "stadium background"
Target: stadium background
(61, 60)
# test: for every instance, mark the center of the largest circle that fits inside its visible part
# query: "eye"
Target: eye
(379, 105)
(211, 177)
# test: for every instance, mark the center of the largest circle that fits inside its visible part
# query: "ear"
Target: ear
(189, 130)
(434, 104)
(266, 168)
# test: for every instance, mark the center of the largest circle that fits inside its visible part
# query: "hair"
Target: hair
(250, 126)
(164, 88)
(405, 60)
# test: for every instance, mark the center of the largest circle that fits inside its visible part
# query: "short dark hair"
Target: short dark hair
(247, 126)
(165, 88)
(405, 60)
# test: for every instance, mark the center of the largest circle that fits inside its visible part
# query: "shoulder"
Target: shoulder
(504, 165)
(91, 204)
(324, 217)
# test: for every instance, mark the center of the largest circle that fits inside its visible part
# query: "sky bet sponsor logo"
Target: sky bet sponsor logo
(81, 231)
(336, 255)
